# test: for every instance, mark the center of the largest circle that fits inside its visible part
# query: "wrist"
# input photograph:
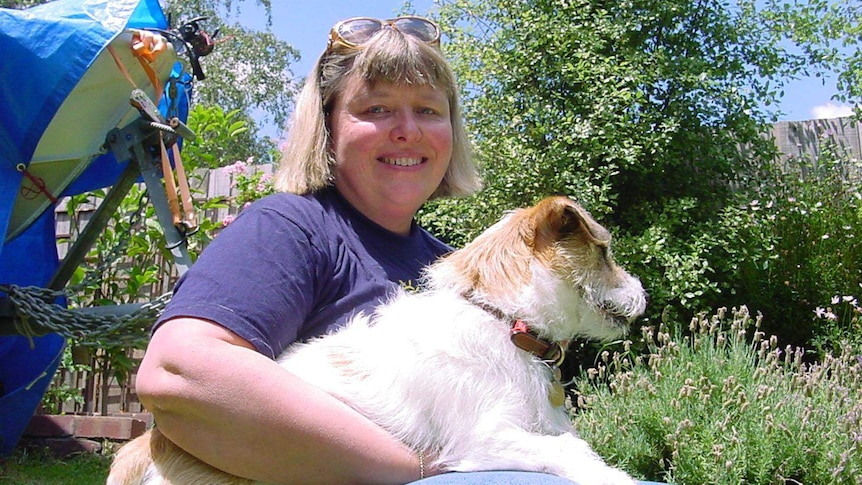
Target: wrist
(426, 465)
(421, 464)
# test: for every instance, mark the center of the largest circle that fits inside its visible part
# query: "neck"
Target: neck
(397, 225)
(397, 218)
(525, 339)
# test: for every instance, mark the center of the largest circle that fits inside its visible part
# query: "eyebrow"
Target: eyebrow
(376, 91)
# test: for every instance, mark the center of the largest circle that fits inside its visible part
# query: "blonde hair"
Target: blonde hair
(307, 164)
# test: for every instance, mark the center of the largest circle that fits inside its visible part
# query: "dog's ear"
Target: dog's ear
(566, 218)
(577, 215)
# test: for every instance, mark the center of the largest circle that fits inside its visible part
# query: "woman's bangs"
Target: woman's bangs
(390, 57)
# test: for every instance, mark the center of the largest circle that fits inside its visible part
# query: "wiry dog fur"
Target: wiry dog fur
(437, 368)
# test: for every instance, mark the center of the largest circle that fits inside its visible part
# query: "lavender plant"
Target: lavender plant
(725, 404)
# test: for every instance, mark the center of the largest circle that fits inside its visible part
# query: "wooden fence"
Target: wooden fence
(100, 391)
(809, 139)
(793, 139)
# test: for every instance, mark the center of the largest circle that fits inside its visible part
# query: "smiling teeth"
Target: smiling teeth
(402, 162)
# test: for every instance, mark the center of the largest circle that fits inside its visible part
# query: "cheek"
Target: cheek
(440, 136)
(349, 141)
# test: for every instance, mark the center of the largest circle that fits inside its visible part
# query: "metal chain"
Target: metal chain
(38, 314)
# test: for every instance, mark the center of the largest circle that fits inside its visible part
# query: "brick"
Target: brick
(111, 427)
(45, 426)
(146, 417)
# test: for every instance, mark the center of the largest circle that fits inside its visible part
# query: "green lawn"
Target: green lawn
(35, 468)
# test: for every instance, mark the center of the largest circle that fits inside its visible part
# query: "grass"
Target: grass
(29, 467)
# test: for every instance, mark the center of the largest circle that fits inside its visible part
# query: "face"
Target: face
(392, 144)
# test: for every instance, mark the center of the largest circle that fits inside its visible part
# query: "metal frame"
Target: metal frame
(137, 142)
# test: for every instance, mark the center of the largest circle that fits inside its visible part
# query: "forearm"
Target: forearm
(251, 418)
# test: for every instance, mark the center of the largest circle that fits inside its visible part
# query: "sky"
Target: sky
(305, 25)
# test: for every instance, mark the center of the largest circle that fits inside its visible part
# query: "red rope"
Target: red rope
(39, 183)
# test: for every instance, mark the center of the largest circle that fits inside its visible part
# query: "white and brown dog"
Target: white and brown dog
(476, 385)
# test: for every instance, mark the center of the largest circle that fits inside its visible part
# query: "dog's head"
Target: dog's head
(549, 265)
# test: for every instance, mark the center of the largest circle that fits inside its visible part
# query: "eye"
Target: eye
(376, 110)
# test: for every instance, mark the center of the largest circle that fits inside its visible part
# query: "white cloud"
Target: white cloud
(831, 110)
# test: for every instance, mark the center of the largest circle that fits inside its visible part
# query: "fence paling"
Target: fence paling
(806, 139)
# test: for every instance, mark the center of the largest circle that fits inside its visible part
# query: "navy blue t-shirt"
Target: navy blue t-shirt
(294, 267)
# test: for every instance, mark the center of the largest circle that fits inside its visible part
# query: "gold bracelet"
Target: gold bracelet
(421, 465)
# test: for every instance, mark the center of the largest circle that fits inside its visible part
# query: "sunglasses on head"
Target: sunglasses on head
(356, 31)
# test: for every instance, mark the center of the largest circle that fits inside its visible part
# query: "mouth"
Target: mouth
(615, 319)
(403, 161)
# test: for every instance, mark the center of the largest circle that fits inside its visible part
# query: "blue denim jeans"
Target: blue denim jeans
(499, 478)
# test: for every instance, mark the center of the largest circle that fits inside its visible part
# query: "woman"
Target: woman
(377, 131)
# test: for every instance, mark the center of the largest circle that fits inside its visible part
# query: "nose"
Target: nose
(406, 127)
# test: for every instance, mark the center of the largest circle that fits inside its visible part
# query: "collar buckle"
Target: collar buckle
(552, 353)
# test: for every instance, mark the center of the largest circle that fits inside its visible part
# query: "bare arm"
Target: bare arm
(230, 406)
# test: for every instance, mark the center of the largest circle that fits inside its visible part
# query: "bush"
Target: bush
(796, 246)
(723, 404)
(783, 248)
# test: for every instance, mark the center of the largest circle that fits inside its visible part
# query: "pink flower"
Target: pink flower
(264, 183)
(237, 168)
(227, 220)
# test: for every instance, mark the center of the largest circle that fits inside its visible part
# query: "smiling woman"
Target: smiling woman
(376, 132)
(392, 144)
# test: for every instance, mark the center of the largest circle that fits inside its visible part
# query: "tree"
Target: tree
(625, 105)
(20, 3)
(248, 69)
(248, 72)
(638, 109)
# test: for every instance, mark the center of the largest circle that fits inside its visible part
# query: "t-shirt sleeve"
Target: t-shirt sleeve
(258, 278)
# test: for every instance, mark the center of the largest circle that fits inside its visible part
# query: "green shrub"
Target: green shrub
(784, 248)
(723, 404)
(797, 246)
(840, 321)
(61, 392)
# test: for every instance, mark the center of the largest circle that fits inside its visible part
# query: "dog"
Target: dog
(476, 386)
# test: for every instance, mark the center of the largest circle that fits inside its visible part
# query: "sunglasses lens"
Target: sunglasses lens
(358, 31)
(420, 28)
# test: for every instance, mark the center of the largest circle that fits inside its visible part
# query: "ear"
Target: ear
(570, 219)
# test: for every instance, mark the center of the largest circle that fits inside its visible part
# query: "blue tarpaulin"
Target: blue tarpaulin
(51, 146)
